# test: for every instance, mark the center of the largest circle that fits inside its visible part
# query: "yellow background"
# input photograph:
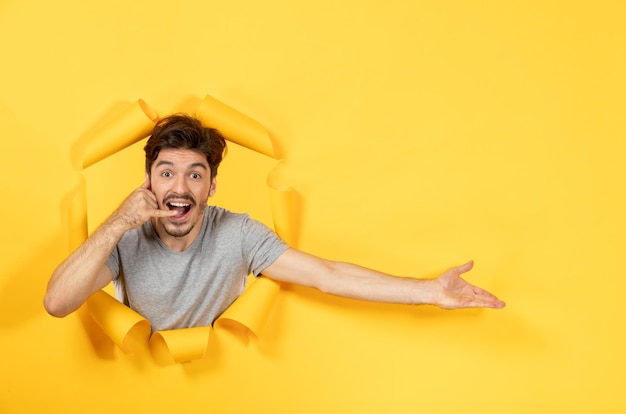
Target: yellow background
(419, 135)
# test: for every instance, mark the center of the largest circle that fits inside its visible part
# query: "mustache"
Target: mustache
(186, 197)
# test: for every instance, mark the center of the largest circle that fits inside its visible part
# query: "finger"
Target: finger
(488, 298)
(494, 303)
(149, 198)
(464, 268)
(469, 302)
(163, 213)
(479, 292)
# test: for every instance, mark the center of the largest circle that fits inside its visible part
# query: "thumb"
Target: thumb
(465, 267)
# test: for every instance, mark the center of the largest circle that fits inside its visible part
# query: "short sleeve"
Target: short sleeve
(260, 245)
(113, 262)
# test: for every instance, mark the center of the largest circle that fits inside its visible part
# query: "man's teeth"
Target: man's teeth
(179, 204)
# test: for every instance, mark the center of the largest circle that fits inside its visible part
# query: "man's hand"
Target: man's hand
(140, 206)
(453, 292)
(85, 271)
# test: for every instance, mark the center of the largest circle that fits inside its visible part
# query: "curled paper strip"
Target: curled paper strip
(180, 345)
(235, 126)
(126, 327)
(284, 201)
(248, 314)
(122, 324)
(131, 125)
(251, 310)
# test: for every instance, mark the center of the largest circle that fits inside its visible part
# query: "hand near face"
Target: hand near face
(140, 206)
(453, 292)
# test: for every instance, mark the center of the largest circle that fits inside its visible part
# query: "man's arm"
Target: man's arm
(448, 291)
(81, 274)
(84, 271)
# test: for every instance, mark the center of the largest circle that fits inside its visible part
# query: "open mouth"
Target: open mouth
(181, 208)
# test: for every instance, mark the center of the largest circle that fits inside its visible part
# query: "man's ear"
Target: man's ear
(147, 185)
(213, 187)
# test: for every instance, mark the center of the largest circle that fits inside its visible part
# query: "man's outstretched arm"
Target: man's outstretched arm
(449, 290)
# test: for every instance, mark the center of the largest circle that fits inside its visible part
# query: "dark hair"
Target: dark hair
(181, 131)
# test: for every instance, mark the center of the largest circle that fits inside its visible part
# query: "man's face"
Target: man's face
(181, 181)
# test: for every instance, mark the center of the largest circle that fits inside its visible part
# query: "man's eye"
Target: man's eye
(195, 176)
(166, 174)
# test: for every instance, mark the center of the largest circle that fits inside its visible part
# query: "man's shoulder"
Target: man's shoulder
(222, 218)
(215, 213)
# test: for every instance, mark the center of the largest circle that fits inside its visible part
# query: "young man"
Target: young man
(181, 263)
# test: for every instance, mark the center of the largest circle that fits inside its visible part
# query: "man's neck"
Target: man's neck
(178, 244)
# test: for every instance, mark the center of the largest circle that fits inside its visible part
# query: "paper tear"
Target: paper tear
(235, 126)
(252, 309)
(133, 124)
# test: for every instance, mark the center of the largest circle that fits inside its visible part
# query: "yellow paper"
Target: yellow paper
(180, 345)
(235, 126)
(252, 309)
(125, 327)
(285, 208)
(133, 124)
(122, 324)
(77, 216)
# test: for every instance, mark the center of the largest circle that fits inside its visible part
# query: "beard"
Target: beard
(179, 230)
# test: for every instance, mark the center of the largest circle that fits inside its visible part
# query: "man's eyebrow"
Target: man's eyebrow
(163, 162)
(198, 164)
(190, 167)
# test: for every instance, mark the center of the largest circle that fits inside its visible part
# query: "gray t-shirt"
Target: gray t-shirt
(191, 288)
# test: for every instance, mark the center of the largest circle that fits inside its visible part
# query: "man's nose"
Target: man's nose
(180, 185)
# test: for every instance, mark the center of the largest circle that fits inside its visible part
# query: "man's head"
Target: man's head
(181, 164)
(185, 132)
